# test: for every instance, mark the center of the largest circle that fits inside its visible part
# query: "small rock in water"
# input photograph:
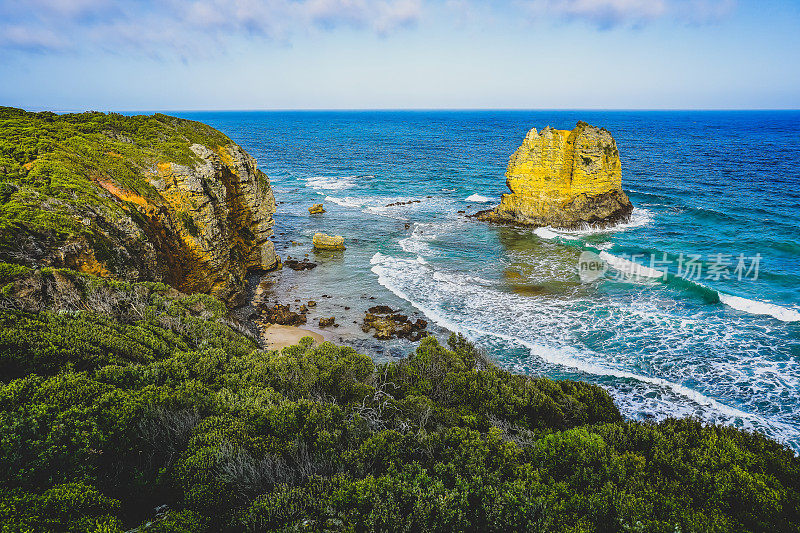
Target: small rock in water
(294, 264)
(316, 209)
(327, 322)
(312, 303)
(404, 203)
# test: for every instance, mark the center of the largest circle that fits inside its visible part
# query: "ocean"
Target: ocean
(717, 206)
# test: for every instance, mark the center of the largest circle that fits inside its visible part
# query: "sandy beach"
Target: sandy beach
(277, 337)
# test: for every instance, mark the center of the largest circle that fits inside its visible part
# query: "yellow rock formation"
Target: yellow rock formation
(328, 242)
(564, 179)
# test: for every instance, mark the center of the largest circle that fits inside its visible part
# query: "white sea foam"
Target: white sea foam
(331, 183)
(549, 329)
(394, 207)
(477, 198)
(640, 217)
(382, 265)
(630, 268)
(755, 307)
(546, 233)
(347, 201)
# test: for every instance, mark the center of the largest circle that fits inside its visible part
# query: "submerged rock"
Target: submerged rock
(393, 204)
(388, 324)
(564, 179)
(328, 242)
(294, 264)
(316, 209)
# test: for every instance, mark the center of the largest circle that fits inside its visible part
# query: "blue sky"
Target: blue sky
(362, 54)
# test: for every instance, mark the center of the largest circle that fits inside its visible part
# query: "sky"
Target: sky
(74, 55)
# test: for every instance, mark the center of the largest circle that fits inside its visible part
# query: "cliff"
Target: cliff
(564, 179)
(142, 198)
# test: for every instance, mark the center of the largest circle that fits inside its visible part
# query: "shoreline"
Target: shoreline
(277, 337)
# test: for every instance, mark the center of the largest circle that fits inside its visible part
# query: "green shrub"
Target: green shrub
(107, 419)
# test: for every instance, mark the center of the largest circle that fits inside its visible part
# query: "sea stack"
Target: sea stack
(564, 179)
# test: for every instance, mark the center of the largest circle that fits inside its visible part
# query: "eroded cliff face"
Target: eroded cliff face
(134, 198)
(564, 179)
(213, 222)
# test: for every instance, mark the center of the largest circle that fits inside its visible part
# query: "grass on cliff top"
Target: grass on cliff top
(48, 163)
(131, 405)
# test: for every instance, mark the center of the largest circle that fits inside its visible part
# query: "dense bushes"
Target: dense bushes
(166, 419)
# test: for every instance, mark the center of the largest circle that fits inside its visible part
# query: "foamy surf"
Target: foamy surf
(477, 198)
(637, 271)
(546, 233)
(391, 271)
(463, 304)
(640, 217)
(331, 183)
(347, 201)
(631, 269)
(755, 307)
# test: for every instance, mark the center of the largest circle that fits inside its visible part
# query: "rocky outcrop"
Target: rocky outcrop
(328, 242)
(316, 209)
(223, 207)
(147, 198)
(564, 179)
(283, 315)
(297, 264)
(389, 324)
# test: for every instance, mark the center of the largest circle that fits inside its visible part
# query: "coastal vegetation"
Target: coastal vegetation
(133, 406)
(127, 404)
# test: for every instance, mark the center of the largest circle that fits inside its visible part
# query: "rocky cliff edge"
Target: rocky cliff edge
(142, 198)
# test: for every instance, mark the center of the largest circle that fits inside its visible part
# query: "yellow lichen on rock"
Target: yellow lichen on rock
(221, 210)
(328, 242)
(316, 209)
(564, 179)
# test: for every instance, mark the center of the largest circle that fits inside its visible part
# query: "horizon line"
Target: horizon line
(36, 109)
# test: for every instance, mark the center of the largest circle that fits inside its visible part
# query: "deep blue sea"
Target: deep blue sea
(717, 204)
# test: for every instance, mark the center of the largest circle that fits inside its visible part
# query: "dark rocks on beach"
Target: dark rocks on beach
(283, 315)
(381, 310)
(404, 203)
(388, 324)
(294, 264)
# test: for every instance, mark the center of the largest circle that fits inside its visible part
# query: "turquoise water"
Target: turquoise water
(714, 346)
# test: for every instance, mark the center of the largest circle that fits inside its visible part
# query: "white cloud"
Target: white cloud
(606, 14)
(23, 37)
(191, 28)
(185, 27)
